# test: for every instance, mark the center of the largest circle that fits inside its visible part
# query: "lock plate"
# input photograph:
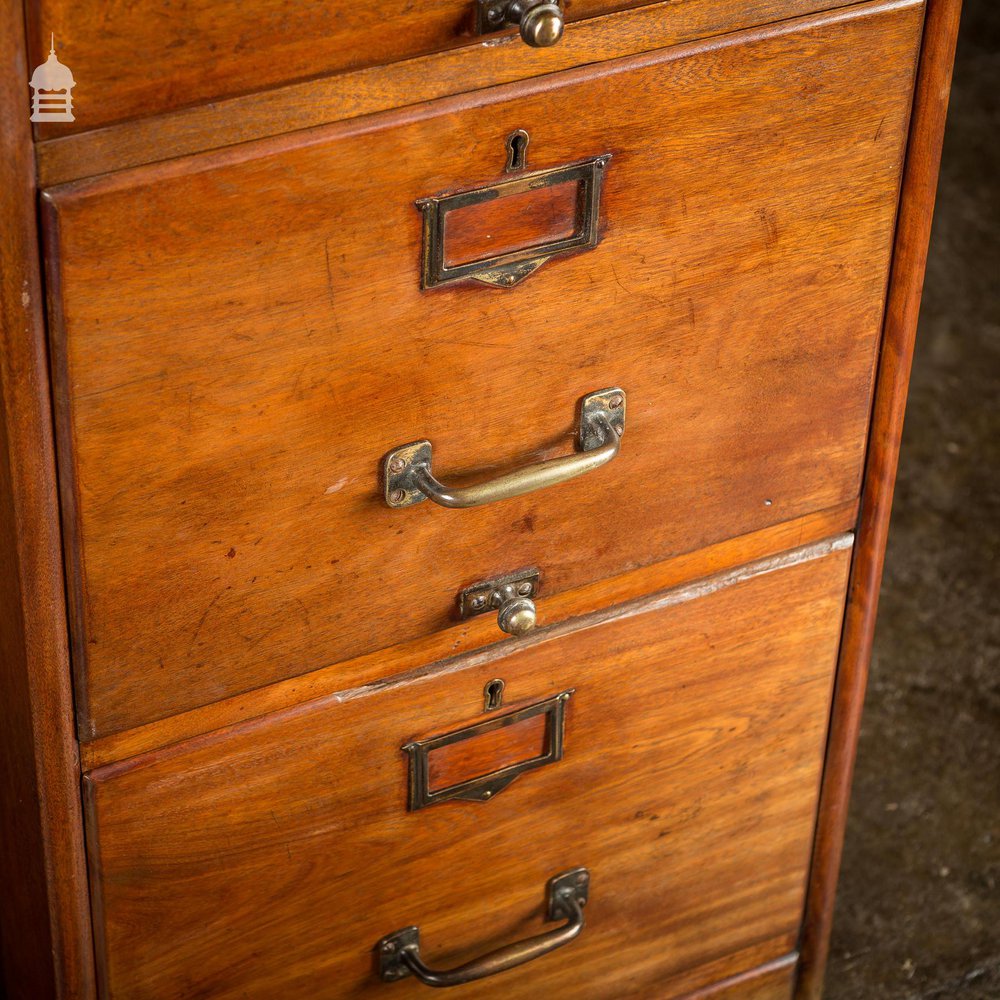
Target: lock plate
(488, 595)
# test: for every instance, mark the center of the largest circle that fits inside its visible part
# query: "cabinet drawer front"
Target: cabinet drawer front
(154, 57)
(239, 338)
(268, 860)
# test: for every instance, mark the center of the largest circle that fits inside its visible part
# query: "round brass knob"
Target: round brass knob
(517, 616)
(542, 25)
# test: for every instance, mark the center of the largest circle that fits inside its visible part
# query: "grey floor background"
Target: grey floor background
(918, 911)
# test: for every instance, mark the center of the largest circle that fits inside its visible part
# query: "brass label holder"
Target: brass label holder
(484, 787)
(508, 269)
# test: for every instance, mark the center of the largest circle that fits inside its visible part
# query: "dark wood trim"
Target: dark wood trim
(45, 937)
(902, 309)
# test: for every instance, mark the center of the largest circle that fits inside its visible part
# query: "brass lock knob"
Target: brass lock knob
(515, 615)
(510, 596)
(540, 22)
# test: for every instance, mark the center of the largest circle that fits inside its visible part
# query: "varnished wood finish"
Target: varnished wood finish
(903, 307)
(734, 971)
(147, 58)
(240, 337)
(732, 555)
(487, 752)
(513, 222)
(379, 88)
(267, 861)
(45, 947)
(773, 981)
(252, 816)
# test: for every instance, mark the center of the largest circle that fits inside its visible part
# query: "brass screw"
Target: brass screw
(397, 465)
(388, 947)
(615, 402)
(487, 795)
(397, 496)
(581, 878)
(509, 279)
(524, 589)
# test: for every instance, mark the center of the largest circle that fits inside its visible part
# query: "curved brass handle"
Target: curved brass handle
(408, 479)
(399, 954)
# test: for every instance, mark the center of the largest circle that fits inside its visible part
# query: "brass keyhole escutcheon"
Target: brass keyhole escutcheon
(493, 695)
(517, 150)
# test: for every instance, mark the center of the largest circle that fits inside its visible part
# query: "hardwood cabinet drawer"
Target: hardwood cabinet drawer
(154, 58)
(240, 337)
(268, 860)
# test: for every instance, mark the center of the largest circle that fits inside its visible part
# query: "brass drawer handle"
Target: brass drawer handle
(399, 954)
(541, 22)
(407, 477)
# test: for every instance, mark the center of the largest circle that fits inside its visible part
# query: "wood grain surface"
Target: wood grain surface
(504, 59)
(607, 597)
(144, 58)
(511, 222)
(909, 263)
(45, 946)
(240, 337)
(773, 981)
(268, 861)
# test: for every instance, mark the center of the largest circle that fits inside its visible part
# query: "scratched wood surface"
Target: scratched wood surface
(773, 981)
(239, 337)
(350, 94)
(267, 861)
(605, 598)
(147, 57)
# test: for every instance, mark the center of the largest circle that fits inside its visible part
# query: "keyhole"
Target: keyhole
(493, 695)
(517, 150)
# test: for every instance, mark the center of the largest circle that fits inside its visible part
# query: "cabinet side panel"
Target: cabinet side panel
(45, 947)
(903, 305)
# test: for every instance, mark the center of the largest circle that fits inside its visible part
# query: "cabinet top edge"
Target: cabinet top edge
(315, 111)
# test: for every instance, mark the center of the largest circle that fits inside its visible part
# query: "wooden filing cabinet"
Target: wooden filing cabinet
(445, 485)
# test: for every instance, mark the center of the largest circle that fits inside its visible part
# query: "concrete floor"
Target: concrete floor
(918, 912)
